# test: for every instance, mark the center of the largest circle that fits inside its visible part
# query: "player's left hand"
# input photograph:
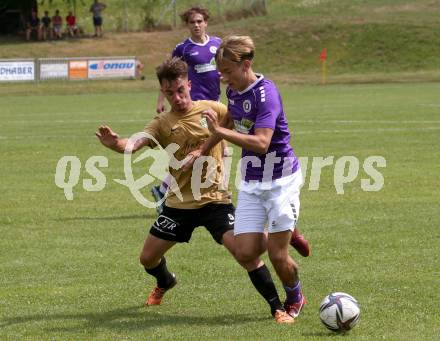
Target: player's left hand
(191, 158)
(212, 120)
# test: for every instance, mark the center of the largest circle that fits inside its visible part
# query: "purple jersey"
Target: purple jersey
(260, 106)
(202, 70)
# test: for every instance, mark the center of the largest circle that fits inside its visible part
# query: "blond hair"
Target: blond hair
(235, 49)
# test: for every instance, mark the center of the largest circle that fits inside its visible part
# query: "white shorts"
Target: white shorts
(275, 203)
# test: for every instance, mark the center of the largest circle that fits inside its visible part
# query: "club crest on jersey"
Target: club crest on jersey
(243, 126)
(213, 49)
(203, 122)
(247, 106)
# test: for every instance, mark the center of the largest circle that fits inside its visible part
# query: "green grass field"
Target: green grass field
(70, 270)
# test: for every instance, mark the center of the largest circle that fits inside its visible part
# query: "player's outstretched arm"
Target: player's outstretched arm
(112, 140)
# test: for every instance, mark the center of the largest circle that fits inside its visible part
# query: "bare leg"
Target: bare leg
(278, 249)
(246, 248)
(153, 250)
(229, 243)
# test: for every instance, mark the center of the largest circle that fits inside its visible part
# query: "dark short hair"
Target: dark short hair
(172, 69)
(196, 9)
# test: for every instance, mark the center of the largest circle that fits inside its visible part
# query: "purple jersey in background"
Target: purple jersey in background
(260, 106)
(202, 70)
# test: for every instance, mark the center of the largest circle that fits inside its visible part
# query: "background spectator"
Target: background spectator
(33, 25)
(45, 26)
(96, 9)
(72, 29)
(57, 23)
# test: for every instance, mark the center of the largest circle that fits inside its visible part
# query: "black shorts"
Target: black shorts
(178, 224)
(97, 21)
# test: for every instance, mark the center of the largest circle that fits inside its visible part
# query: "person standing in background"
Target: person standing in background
(96, 9)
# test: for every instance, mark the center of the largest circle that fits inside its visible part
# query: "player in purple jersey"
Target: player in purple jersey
(271, 175)
(198, 51)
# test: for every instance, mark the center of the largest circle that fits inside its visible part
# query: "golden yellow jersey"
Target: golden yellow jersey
(189, 131)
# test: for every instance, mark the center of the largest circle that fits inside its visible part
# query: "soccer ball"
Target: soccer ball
(339, 311)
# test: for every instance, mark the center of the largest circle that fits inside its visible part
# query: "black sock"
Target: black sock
(262, 281)
(165, 279)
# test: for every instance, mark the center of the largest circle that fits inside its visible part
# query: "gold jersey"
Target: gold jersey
(189, 131)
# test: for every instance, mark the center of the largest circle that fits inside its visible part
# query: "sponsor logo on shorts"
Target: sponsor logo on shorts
(165, 224)
(231, 219)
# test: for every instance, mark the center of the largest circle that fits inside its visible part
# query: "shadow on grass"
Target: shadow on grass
(323, 334)
(123, 217)
(131, 318)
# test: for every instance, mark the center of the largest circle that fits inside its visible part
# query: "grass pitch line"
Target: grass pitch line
(303, 132)
(46, 122)
(99, 121)
(85, 113)
(349, 131)
(364, 121)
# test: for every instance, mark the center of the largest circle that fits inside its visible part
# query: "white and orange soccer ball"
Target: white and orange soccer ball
(339, 311)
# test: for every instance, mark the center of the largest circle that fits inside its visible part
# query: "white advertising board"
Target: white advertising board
(112, 68)
(17, 71)
(54, 71)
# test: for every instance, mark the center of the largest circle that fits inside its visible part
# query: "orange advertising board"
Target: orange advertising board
(78, 69)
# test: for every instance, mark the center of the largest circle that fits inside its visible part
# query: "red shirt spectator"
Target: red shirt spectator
(71, 24)
(71, 20)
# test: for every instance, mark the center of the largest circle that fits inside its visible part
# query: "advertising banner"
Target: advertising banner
(17, 71)
(54, 71)
(78, 69)
(112, 68)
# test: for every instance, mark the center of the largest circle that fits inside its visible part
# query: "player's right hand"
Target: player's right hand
(160, 108)
(107, 136)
